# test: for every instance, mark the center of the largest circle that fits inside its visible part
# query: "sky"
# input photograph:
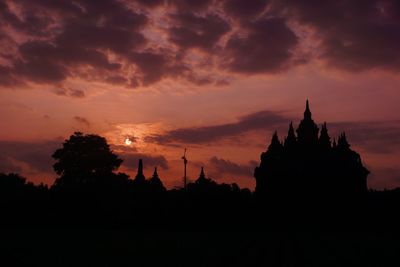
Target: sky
(216, 77)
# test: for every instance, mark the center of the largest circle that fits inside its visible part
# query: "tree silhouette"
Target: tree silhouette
(82, 158)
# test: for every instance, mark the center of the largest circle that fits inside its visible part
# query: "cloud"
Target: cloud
(262, 120)
(116, 79)
(223, 166)
(82, 120)
(48, 63)
(244, 9)
(6, 77)
(101, 42)
(131, 161)
(192, 31)
(76, 93)
(354, 35)
(129, 44)
(375, 136)
(36, 155)
(265, 47)
(154, 66)
(190, 5)
(150, 3)
(79, 35)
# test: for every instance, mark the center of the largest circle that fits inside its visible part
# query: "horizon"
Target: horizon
(215, 77)
(236, 169)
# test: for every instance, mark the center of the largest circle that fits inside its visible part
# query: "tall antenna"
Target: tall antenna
(184, 169)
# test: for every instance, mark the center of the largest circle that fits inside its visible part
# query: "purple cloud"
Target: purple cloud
(266, 120)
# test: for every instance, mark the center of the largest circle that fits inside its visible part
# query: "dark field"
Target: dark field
(132, 248)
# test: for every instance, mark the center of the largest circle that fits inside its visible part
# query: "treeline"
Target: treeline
(116, 201)
(90, 193)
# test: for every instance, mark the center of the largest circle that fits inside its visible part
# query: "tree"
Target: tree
(84, 157)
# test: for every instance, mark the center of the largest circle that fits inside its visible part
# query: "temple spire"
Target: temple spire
(202, 175)
(324, 139)
(307, 132)
(202, 178)
(342, 141)
(155, 174)
(276, 146)
(156, 182)
(290, 140)
(140, 176)
(307, 112)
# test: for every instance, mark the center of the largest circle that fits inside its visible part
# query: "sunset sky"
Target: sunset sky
(217, 77)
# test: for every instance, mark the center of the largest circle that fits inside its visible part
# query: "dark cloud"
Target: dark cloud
(61, 7)
(6, 76)
(193, 31)
(151, 3)
(80, 34)
(41, 71)
(375, 137)
(355, 35)
(222, 82)
(80, 38)
(115, 41)
(223, 166)
(116, 79)
(244, 9)
(85, 32)
(265, 48)
(149, 161)
(35, 23)
(266, 120)
(154, 66)
(190, 5)
(44, 62)
(37, 155)
(76, 93)
(82, 120)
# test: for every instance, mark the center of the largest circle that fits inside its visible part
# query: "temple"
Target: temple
(155, 181)
(308, 165)
(140, 178)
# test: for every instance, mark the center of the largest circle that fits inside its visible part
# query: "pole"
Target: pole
(184, 170)
(184, 177)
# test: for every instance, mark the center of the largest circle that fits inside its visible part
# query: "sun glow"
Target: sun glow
(134, 136)
(128, 141)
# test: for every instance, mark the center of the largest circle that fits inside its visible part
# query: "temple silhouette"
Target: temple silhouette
(309, 165)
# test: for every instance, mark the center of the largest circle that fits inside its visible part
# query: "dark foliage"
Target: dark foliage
(82, 159)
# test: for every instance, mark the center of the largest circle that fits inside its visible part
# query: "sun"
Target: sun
(128, 141)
